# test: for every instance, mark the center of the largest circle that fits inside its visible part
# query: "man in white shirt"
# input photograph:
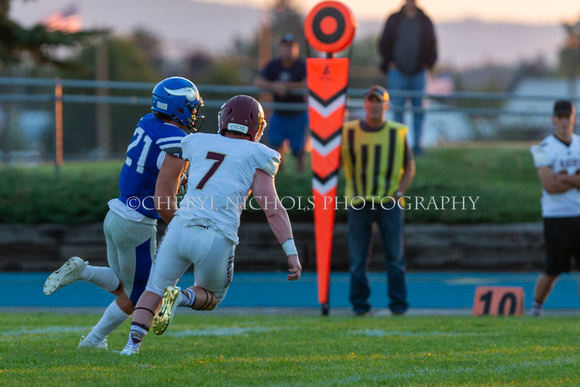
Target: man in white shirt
(226, 167)
(558, 161)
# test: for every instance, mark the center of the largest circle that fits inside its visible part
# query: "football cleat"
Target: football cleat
(93, 344)
(128, 351)
(171, 299)
(67, 274)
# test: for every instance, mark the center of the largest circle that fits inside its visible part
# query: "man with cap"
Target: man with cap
(378, 167)
(282, 76)
(558, 161)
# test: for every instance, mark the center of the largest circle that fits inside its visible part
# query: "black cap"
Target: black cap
(562, 107)
(378, 91)
(288, 38)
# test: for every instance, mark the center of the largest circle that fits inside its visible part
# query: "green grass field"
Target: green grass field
(211, 350)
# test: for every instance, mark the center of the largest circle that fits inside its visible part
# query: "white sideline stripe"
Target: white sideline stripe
(328, 110)
(42, 331)
(219, 331)
(382, 333)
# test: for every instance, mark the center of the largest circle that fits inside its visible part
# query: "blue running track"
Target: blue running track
(426, 290)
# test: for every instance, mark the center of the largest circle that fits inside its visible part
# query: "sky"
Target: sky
(539, 12)
(209, 25)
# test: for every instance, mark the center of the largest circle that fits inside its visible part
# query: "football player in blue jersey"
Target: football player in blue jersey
(149, 182)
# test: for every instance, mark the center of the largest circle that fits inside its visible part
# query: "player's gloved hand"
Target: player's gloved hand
(183, 180)
(182, 184)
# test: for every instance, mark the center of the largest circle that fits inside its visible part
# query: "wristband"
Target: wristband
(289, 247)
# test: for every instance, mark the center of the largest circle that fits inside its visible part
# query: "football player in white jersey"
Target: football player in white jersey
(153, 166)
(558, 161)
(228, 166)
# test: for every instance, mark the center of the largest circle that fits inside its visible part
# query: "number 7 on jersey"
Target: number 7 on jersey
(219, 159)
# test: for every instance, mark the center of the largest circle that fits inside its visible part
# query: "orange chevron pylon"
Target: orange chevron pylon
(329, 27)
(327, 80)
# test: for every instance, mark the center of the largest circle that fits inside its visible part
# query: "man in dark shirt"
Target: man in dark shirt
(408, 48)
(281, 75)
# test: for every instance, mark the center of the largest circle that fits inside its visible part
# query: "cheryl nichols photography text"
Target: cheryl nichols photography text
(300, 203)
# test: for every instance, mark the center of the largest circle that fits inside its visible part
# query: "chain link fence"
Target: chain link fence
(96, 119)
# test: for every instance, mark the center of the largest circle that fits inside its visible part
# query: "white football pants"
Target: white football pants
(211, 254)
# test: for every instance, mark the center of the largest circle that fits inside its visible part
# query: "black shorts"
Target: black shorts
(562, 243)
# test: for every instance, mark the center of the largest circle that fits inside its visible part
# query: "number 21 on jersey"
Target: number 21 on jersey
(136, 143)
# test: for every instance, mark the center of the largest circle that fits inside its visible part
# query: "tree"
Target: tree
(286, 19)
(283, 18)
(38, 44)
(126, 62)
(570, 56)
(195, 66)
(364, 60)
(150, 46)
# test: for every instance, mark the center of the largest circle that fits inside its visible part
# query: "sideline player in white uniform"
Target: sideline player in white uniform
(131, 224)
(204, 231)
(558, 161)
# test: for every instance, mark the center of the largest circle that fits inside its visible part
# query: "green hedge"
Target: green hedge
(502, 175)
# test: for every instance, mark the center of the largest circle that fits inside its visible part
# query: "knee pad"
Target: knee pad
(204, 299)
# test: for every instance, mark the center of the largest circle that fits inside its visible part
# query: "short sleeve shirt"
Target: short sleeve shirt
(561, 158)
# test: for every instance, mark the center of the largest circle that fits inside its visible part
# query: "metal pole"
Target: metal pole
(265, 50)
(103, 109)
(58, 125)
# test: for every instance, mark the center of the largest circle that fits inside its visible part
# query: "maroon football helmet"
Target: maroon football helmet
(242, 114)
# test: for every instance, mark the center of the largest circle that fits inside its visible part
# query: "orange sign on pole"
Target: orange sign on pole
(58, 124)
(330, 28)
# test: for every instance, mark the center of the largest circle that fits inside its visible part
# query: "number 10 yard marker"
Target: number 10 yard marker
(498, 300)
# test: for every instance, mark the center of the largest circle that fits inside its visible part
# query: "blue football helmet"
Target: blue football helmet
(179, 99)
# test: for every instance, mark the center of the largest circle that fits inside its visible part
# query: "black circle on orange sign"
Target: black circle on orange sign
(330, 27)
(317, 25)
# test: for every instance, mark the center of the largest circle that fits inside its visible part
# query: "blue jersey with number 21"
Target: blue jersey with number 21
(151, 141)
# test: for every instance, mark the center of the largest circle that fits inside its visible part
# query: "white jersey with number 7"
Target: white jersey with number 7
(220, 178)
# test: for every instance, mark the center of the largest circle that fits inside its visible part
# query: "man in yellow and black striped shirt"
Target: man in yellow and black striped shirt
(379, 167)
